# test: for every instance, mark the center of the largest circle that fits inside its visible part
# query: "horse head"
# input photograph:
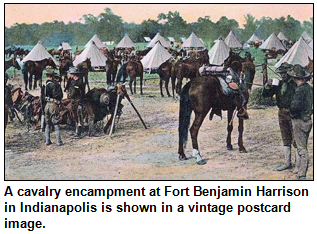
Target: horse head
(234, 61)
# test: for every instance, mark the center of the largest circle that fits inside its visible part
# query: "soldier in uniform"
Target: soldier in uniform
(76, 92)
(301, 111)
(52, 96)
(284, 93)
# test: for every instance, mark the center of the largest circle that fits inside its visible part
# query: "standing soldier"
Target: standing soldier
(301, 111)
(76, 91)
(284, 92)
(52, 96)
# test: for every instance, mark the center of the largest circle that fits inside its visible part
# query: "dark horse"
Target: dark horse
(35, 68)
(84, 67)
(187, 69)
(165, 73)
(248, 69)
(64, 66)
(200, 95)
(11, 63)
(131, 69)
(111, 69)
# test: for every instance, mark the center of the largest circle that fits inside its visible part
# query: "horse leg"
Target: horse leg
(199, 118)
(173, 80)
(87, 82)
(141, 83)
(108, 124)
(229, 129)
(240, 139)
(166, 87)
(130, 85)
(26, 79)
(161, 87)
(30, 82)
(179, 85)
(134, 83)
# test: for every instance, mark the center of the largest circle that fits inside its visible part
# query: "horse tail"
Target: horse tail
(122, 72)
(161, 73)
(185, 111)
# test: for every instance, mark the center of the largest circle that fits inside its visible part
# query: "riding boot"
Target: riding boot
(297, 162)
(47, 135)
(288, 162)
(58, 135)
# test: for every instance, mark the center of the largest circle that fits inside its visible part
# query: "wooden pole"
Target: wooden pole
(128, 98)
(114, 114)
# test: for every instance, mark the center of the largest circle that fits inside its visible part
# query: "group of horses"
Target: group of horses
(200, 95)
(16, 52)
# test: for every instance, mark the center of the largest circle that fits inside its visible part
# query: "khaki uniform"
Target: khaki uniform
(284, 94)
(52, 95)
(301, 111)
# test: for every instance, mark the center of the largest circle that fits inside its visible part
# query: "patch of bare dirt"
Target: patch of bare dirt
(134, 153)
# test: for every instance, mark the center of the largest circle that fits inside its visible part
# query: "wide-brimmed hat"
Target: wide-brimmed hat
(50, 71)
(285, 67)
(299, 71)
(74, 70)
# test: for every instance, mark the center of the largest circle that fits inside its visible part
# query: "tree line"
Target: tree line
(111, 27)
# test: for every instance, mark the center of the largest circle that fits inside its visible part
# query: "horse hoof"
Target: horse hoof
(182, 157)
(201, 162)
(243, 151)
(229, 147)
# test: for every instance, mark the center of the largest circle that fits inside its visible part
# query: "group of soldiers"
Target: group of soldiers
(52, 96)
(294, 97)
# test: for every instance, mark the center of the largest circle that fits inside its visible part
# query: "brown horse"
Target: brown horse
(11, 63)
(111, 69)
(84, 67)
(131, 69)
(200, 95)
(64, 66)
(165, 73)
(35, 68)
(187, 69)
(248, 69)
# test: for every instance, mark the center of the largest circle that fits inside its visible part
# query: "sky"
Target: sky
(39, 13)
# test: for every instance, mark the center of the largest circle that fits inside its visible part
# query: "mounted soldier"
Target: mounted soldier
(284, 92)
(52, 95)
(76, 92)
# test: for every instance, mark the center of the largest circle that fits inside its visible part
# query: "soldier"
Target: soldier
(52, 96)
(284, 92)
(301, 111)
(76, 91)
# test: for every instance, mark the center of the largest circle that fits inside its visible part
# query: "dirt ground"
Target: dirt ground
(134, 153)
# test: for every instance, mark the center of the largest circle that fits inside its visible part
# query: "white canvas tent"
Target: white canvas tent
(147, 39)
(311, 44)
(158, 37)
(218, 53)
(254, 38)
(66, 46)
(282, 37)
(157, 55)
(96, 57)
(97, 41)
(232, 41)
(183, 39)
(306, 37)
(298, 54)
(126, 42)
(272, 42)
(171, 39)
(193, 42)
(38, 53)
